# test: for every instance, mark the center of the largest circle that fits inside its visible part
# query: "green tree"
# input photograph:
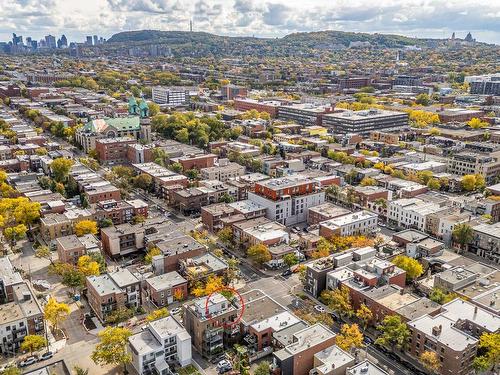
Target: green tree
(488, 355)
(44, 252)
(112, 347)
(440, 296)
(11, 370)
(152, 252)
(290, 259)
(412, 267)
(263, 368)
(394, 333)
(423, 99)
(463, 234)
(259, 253)
(33, 343)
(434, 184)
(192, 174)
(143, 181)
(225, 235)
(226, 198)
(176, 167)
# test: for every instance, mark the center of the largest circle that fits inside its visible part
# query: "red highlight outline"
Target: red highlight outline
(240, 315)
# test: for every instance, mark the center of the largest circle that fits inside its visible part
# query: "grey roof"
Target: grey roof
(166, 281)
(123, 277)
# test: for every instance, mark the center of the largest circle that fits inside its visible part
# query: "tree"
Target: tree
(60, 168)
(476, 123)
(56, 312)
(122, 171)
(463, 234)
(395, 333)
(349, 337)
(364, 314)
(112, 347)
(259, 253)
(488, 355)
(412, 267)
(176, 167)
(80, 371)
(88, 267)
(85, 227)
(423, 99)
(290, 259)
(226, 198)
(435, 131)
(225, 235)
(468, 182)
(339, 300)
(154, 251)
(154, 109)
(192, 174)
(440, 296)
(11, 370)
(262, 369)
(430, 360)
(44, 252)
(15, 233)
(434, 184)
(104, 223)
(119, 315)
(368, 181)
(323, 249)
(143, 181)
(157, 314)
(33, 343)
(182, 135)
(73, 278)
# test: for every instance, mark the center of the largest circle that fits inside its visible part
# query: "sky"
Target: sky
(260, 18)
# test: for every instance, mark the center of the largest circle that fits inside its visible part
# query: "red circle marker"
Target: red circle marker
(238, 318)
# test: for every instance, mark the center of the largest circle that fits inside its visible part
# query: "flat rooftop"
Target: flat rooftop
(351, 218)
(330, 210)
(332, 358)
(308, 337)
(166, 281)
(365, 368)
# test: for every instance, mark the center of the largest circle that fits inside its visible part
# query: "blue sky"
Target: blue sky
(268, 18)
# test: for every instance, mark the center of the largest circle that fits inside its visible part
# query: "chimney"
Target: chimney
(475, 311)
(436, 330)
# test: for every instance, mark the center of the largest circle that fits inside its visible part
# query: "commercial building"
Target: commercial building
(304, 113)
(354, 82)
(297, 358)
(229, 92)
(170, 96)
(366, 121)
(287, 199)
(247, 104)
(356, 223)
(159, 348)
(459, 115)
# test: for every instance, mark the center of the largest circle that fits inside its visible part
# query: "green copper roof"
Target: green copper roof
(119, 123)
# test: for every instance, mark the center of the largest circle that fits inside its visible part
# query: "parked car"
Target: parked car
(286, 273)
(368, 340)
(394, 357)
(224, 366)
(27, 362)
(319, 308)
(176, 310)
(45, 356)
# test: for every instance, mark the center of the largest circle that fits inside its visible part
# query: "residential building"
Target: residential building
(247, 104)
(113, 150)
(287, 199)
(366, 121)
(332, 361)
(356, 223)
(297, 358)
(200, 267)
(174, 248)
(223, 171)
(159, 348)
(69, 249)
(230, 92)
(211, 216)
(113, 291)
(486, 242)
(464, 163)
(353, 82)
(259, 231)
(459, 115)
(163, 289)
(120, 212)
(210, 321)
(484, 85)
(365, 368)
(412, 212)
(316, 275)
(195, 161)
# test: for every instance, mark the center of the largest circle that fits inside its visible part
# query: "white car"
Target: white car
(319, 308)
(176, 311)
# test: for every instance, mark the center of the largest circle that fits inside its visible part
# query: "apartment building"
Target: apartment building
(20, 312)
(287, 199)
(366, 121)
(120, 212)
(316, 274)
(354, 82)
(195, 161)
(113, 150)
(53, 226)
(356, 223)
(247, 104)
(304, 113)
(161, 347)
(486, 242)
(464, 163)
(365, 368)
(459, 115)
(223, 171)
(485, 84)
(112, 291)
(332, 361)
(174, 248)
(138, 153)
(297, 358)
(323, 212)
(412, 212)
(259, 231)
(163, 289)
(230, 92)
(170, 96)
(162, 177)
(210, 323)
(69, 249)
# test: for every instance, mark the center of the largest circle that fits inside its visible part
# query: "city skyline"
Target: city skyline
(423, 19)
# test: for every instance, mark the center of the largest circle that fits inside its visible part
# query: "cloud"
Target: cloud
(270, 18)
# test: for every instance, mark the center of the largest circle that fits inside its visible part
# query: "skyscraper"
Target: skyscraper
(63, 42)
(17, 40)
(96, 40)
(50, 41)
(89, 40)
